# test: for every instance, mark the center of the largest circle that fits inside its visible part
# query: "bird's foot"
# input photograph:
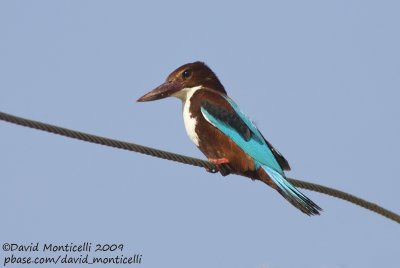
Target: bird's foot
(219, 163)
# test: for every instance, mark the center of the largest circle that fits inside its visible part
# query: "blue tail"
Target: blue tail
(294, 196)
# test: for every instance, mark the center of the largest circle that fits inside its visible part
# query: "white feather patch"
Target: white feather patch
(190, 122)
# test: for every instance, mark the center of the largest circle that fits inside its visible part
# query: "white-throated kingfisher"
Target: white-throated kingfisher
(224, 134)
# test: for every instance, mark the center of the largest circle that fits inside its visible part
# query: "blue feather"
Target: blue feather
(257, 148)
(285, 186)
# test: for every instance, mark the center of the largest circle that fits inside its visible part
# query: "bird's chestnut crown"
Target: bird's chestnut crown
(196, 74)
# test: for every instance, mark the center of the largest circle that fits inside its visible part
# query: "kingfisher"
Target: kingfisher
(224, 134)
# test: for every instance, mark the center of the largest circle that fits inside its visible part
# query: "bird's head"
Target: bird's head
(194, 75)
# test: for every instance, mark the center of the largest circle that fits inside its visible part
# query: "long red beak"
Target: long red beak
(162, 91)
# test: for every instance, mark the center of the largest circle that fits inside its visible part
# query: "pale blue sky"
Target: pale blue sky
(320, 79)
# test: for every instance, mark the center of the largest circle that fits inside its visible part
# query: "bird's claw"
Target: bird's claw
(212, 170)
(221, 165)
(219, 161)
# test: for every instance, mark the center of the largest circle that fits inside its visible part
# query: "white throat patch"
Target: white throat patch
(190, 122)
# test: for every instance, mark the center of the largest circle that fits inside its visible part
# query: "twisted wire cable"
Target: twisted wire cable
(188, 160)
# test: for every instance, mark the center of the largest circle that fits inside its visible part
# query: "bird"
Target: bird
(224, 134)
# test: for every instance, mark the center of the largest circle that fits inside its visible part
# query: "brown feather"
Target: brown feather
(212, 142)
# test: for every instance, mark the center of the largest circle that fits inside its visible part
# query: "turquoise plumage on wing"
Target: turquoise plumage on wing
(256, 146)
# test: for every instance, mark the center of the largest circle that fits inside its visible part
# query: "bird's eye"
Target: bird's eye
(186, 73)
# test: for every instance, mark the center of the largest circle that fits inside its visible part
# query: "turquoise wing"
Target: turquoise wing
(247, 137)
(241, 130)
